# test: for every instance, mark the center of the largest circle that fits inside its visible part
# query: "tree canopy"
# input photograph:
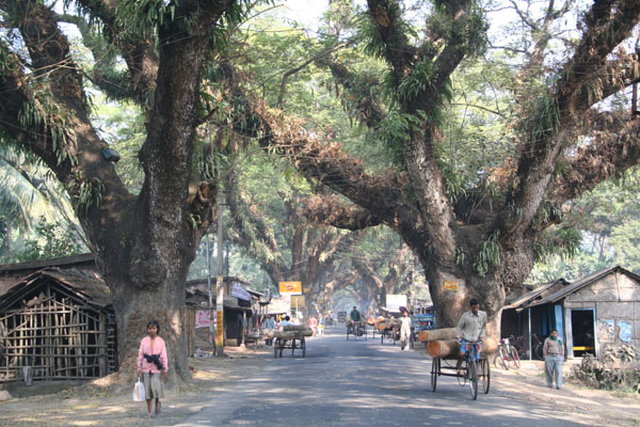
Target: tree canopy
(470, 143)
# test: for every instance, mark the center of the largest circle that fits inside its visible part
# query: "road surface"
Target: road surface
(364, 383)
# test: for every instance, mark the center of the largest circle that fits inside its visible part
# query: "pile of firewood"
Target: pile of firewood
(383, 323)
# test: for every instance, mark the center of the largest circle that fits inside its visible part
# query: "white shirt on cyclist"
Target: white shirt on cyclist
(472, 327)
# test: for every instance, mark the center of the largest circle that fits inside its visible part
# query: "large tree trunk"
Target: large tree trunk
(145, 242)
(136, 308)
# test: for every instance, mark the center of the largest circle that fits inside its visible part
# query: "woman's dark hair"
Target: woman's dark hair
(154, 323)
(287, 318)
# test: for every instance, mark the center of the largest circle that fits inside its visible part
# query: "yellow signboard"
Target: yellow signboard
(297, 301)
(451, 286)
(290, 288)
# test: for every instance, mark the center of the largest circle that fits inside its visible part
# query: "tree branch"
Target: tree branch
(302, 66)
(548, 127)
(614, 148)
(327, 210)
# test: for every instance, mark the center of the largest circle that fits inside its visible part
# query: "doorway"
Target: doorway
(582, 326)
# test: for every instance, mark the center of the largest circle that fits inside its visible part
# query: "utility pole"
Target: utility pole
(219, 281)
(212, 329)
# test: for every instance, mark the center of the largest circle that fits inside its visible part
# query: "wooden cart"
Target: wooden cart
(297, 343)
(465, 370)
(356, 329)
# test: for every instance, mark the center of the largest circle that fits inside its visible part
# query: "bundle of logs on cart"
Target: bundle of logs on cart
(388, 328)
(446, 361)
(356, 329)
(290, 337)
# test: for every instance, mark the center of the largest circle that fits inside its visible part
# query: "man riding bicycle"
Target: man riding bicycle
(471, 329)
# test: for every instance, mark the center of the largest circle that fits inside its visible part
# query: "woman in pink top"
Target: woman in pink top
(152, 360)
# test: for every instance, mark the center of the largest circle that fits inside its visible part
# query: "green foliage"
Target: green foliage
(51, 240)
(88, 193)
(394, 130)
(488, 254)
(561, 241)
(40, 114)
(142, 16)
(470, 32)
(122, 127)
(461, 256)
(545, 119)
(369, 32)
(625, 240)
(607, 219)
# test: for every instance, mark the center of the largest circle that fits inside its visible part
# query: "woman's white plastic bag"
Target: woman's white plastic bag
(138, 391)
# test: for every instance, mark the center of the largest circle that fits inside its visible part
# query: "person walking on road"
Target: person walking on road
(270, 324)
(553, 351)
(321, 322)
(152, 360)
(405, 330)
(355, 315)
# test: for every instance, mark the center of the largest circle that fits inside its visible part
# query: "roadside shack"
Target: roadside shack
(591, 313)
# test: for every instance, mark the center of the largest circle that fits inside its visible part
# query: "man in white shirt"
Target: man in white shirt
(472, 328)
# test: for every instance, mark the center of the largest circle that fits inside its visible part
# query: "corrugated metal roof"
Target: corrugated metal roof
(576, 286)
(538, 292)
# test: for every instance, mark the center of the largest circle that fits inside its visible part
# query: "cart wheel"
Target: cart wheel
(303, 346)
(293, 346)
(435, 371)
(485, 375)
(276, 346)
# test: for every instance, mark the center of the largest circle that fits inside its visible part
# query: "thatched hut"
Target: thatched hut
(59, 324)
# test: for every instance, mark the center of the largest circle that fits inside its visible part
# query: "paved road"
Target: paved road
(362, 383)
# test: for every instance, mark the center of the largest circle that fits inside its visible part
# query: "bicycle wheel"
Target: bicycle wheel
(485, 375)
(515, 358)
(435, 371)
(504, 357)
(473, 378)
(496, 359)
(537, 352)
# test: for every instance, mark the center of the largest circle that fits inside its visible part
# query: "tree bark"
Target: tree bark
(144, 243)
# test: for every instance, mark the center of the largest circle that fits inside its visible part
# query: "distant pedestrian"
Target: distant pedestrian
(553, 351)
(321, 322)
(405, 330)
(355, 315)
(313, 324)
(270, 324)
(153, 360)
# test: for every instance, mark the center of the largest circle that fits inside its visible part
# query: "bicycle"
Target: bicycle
(470, 369)
(507, 354)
